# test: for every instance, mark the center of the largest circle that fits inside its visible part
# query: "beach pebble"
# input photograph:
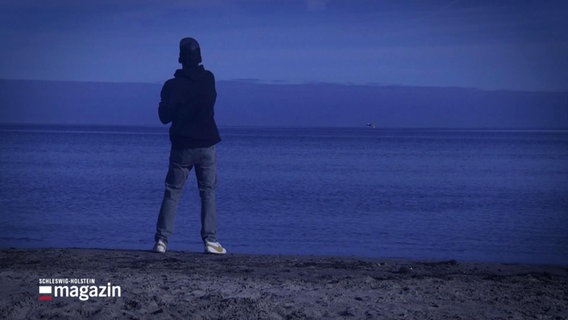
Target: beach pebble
(198, 293)
(405, 269)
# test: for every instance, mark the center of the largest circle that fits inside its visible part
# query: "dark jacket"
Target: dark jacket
(187, 102)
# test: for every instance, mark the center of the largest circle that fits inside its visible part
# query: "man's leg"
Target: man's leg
(175, 180)
(206, 172)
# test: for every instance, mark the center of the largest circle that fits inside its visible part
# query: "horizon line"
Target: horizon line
(6, 126)
(292, 83)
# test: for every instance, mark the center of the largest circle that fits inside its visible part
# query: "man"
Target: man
(187, 102)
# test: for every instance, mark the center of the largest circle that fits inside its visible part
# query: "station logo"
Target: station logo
(82, 289)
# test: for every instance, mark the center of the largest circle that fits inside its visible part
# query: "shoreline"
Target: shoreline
(241, 286)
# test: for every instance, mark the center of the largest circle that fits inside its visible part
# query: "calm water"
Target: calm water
(468, 195)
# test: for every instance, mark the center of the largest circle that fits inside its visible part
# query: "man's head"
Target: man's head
(189, 52)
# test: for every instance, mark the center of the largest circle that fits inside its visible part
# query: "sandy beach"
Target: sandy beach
(188, 285)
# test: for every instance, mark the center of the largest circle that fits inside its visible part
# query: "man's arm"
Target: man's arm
(209, 96)
(212, 90)
(165, 109)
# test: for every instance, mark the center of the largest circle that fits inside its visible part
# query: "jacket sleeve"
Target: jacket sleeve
(211, 93)
(165, 107)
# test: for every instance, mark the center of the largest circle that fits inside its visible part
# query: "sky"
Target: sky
(492, 45)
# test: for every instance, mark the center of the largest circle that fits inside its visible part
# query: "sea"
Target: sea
(468, 195)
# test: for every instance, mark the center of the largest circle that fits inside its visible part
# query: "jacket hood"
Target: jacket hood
(189, 73)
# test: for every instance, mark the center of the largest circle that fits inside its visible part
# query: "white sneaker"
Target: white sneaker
(160, 247)
(214, 248)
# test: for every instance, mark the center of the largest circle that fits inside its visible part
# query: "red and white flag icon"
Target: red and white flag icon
(45, 293)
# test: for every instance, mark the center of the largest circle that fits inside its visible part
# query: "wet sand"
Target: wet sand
(185, 285)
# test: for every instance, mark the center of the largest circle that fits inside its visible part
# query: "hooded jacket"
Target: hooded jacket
(187, 101)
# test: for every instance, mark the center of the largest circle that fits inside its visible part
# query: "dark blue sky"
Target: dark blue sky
(520, 45)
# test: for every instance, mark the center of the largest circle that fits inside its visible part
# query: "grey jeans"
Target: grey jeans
(181, 163)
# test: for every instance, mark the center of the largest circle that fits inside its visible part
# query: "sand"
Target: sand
(185, 285)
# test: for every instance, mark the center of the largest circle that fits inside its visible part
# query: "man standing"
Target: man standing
(187, 102)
